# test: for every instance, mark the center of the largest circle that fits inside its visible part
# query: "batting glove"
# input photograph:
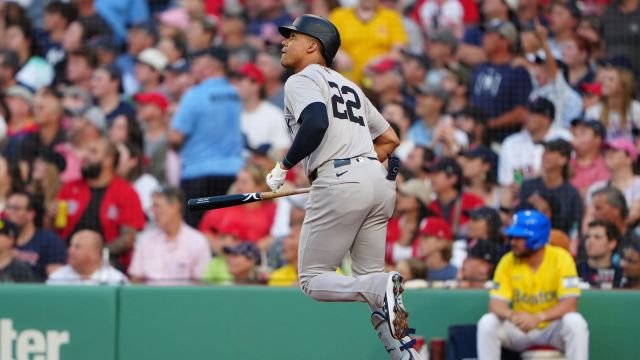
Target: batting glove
(275, 178)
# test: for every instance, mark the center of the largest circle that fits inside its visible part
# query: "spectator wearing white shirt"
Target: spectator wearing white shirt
(261, 122)
(86, 265)
(521, 152)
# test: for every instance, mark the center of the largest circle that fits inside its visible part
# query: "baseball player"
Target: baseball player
(342, 140)
(534, 299)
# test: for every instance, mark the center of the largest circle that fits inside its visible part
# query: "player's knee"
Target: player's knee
(488, 324)
(574, 323)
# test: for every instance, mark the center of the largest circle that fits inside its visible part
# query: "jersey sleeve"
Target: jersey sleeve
(502, 288)
(569, 282)
(300, 91)
(377, 123)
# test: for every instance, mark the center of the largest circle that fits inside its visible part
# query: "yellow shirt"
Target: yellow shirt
(363, 41)
(533, 292)
(284, 276)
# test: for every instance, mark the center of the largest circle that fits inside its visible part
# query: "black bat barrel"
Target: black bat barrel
(217, 202)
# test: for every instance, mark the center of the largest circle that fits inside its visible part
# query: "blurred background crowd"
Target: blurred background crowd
(116, 111)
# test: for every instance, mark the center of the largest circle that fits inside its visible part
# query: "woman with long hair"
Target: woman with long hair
(617, 109)
(576, 53)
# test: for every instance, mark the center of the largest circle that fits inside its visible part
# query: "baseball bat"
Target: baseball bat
(221, 201)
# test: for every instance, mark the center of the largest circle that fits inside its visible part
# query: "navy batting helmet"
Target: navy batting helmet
(319, 28)
(531, 225)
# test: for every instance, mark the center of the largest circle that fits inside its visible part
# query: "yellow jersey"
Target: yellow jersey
(536, 291)
(284, 276)
(364, 41)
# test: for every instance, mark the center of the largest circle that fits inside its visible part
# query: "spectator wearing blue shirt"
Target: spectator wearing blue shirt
(206, 128)
(42, 249)
(119, 13)
(430, 103)
(470, 50)
(498, 87)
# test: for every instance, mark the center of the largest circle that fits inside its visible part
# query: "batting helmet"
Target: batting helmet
(319, 28)
(531, 225)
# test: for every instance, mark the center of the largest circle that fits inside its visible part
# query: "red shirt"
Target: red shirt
(244, 222)
(120, 206)
(468, 201)
(583, 177)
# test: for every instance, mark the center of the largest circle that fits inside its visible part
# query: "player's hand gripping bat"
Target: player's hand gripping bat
(221, 201)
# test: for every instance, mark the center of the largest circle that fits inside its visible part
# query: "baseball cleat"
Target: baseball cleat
(397, 349)
(397, 315)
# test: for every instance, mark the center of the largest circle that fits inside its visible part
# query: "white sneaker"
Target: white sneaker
(397, 349)
(395, 312)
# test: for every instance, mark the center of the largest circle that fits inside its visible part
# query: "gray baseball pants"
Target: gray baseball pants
(347, 212)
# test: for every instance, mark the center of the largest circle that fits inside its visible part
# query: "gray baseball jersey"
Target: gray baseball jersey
(353, 120)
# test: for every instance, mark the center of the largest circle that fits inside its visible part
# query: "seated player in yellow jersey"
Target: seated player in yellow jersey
(534, 299)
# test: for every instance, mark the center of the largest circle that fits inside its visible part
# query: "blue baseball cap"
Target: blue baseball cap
(245, 248)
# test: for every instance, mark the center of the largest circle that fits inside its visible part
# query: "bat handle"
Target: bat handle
(273, 195)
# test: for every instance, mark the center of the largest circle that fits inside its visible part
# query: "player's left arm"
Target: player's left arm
(385, 144)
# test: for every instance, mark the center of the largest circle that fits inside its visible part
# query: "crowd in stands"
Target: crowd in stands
(114, 112)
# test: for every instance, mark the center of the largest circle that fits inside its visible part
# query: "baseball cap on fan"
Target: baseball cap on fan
(505, 29)
(154, 58)
(623, 144)
(384, 65)
(252, 72)
(245, 248)
(152, 97)
(436, 227)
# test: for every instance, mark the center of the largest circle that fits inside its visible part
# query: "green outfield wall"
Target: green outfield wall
(139, 323)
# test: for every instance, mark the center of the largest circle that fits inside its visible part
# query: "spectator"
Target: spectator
(150, 65)
(564, 19)
(206, 128)
(236, 40)
(441, 52)
(253, 220)
(173, 21)
(177, 80)
(11, 269)
(75, 99)
(174, 48)
(10, 180)
(442, 14)
(243, 261)
(45, 183)
(85, 128)
(119, 13)
(387, 82)
(552, 189)
(619, 157)
(126, 129)
(477, 269)
(106, 86)
(430, 104)
(80, 66)
(401, 116)
(470, 51)
(47, 115)
(43, 250)
(130, 166)
(418, 161)
(269, 64)
(479, 167)
(451, 201)
(140, 36)
(202, 31)
(541, 312)
(415, 65)
(9, 66)
(217, 272)
(264, 19)
(102, 201)
(588, 166)
(92, 21)
(58, 15)
(617, 109)
(151, 113)
(499, 87)
(260, 121)
(618, 30)
(19, 101)
(367, 31)
(598, 269)
(521, 153)
(576, 54)
(35, 72)
(87, 265)
(414, 272)
(473, 122)
(456, 82)
(287, 275)
(435, 249)
(631, 266)
(173, 252)
(485, 224)
(551, 83)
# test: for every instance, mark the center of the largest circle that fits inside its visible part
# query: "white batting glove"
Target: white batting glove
(275, 178)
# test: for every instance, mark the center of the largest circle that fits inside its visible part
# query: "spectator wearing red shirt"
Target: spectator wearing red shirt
(451, 202)
(103, 202)
(253, 221)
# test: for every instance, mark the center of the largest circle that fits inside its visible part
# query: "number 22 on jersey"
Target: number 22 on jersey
(345, 109)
